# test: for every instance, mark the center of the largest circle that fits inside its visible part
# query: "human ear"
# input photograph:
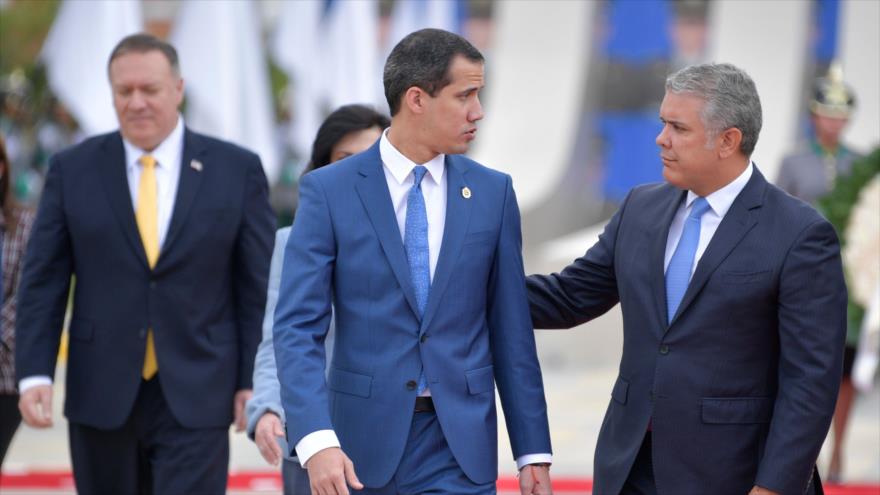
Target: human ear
(729, 141)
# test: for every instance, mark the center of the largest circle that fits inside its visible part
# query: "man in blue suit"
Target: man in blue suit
(168, 234)
(734, 310)
(418, 250)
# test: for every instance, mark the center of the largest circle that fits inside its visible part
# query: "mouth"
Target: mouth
(471, 133)
(666, 160)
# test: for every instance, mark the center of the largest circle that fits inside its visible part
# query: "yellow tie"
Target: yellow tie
(147, 215)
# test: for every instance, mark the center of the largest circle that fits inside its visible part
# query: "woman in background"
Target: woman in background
(347, 131)
(15, 227)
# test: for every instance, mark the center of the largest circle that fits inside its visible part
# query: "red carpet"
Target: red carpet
(262, 481)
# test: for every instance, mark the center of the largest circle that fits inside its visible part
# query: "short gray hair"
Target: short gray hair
(731, 99)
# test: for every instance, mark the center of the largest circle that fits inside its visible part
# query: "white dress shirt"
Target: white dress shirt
(399, 176)
(719, 202)
(168, 155)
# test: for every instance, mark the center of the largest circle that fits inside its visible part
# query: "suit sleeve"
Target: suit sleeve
(267, 397)
(253, 252)
(584, 290)
(302, 317)
(45, 283)
(812, 330)
(517, 371)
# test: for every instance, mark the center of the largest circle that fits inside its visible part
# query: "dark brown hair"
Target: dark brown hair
(142, 43)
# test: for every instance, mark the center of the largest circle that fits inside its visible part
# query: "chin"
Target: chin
(459, 149)
(673, 178)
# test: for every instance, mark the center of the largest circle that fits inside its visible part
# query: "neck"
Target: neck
(727, 172)
(403, 135)
(828, 143)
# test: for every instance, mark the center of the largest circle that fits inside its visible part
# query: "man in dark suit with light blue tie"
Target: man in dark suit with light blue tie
(734, 310)
(169, 235)
(418, 250)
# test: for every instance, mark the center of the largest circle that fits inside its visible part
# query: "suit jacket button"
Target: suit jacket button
(142, 332)
(153, 284)
(411, 385)
(424, 338)
(664, 349)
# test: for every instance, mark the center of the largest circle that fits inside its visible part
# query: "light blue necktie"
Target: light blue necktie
(678, 274)
(415, 241)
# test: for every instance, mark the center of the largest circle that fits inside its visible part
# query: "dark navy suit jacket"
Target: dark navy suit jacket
(346, 246)
(740, 387)
(204, 299)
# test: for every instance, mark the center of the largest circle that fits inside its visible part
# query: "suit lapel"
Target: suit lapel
(458, 214)
(187, 188)
(115, 180)
(373, 191)
(739, 220)
(658, 254)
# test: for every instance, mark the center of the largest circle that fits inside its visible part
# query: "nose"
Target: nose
(137, 100)
(476, 112)
(662, 139)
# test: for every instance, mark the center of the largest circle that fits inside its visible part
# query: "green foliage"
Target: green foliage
(23, 27)
(836, 206)
(839, 202)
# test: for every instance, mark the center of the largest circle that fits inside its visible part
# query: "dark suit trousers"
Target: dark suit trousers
(641, 476)
(151, 453)
(10, 418)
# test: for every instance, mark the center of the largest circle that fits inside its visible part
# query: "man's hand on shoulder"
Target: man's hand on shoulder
(35, 405)
(329, 471)
(535, 479)
(238, 411)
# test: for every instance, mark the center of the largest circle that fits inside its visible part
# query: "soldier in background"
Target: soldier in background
(810, 170)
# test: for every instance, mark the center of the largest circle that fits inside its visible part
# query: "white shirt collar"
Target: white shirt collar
(401, 167)
(167, 154)
(721, 199)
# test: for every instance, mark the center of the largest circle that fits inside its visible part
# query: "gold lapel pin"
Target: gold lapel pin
(466, 192)
(196, 165)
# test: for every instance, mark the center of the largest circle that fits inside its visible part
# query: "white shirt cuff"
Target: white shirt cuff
(527, 459)
(315, 442)
(33, 381)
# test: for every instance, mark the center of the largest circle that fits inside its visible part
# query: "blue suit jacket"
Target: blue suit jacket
(741, 385)
(267, 391)
(346, 247)
(204, 299)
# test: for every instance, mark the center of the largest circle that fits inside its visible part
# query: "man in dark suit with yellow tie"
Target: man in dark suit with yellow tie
(734, 311)
(168, 234)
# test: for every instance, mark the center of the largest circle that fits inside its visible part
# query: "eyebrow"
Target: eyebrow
(673, 122)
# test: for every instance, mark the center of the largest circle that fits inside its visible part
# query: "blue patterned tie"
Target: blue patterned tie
(678, 274)
(415, 241)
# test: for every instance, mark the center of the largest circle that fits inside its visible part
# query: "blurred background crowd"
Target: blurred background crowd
(573, 89)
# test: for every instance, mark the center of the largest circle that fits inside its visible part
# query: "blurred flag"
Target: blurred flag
(329, 50)
(76, 51)
(412, 15)
(226, 76)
